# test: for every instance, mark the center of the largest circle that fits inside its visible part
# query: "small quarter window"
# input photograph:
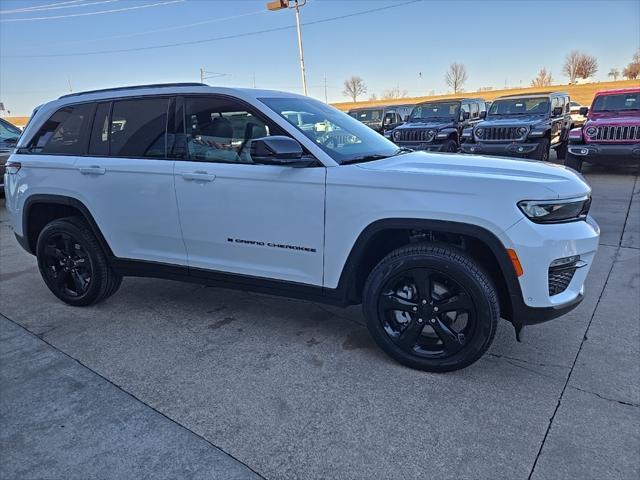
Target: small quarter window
(66, 132)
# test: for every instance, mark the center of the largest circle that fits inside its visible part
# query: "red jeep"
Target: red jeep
(611, 134)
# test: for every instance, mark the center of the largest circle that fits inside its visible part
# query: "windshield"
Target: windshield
(8, 131)
(435, 110)
(617, 103)
(367, 115)
(520, 106)
(341, 136)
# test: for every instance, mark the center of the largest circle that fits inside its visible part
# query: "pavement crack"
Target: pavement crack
(621, 402)
(528, 362)
(575, 360)
(626, 218)
(132, 395)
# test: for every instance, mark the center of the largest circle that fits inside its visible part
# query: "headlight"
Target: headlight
(396, 135)
(522, 131)
(430, 134)
(479, 132)
(556, 211)
(591, 131)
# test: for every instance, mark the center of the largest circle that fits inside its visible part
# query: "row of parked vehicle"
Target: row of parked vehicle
(526, 125)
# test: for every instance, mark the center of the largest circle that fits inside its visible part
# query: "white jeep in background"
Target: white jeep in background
(228, 187)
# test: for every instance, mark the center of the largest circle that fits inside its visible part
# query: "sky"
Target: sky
(48, 47)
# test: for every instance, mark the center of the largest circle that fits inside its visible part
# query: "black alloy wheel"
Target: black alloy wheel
(67, 265)
(73, 264)
(431, 307)
(426, 313)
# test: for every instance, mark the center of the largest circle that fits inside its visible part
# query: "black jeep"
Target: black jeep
(383, 118)
(522, 126)
(437, 125)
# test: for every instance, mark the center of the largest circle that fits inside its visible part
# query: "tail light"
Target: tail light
(13, 167)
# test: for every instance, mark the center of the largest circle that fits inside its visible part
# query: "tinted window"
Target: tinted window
(138, 128)
(221, 130)
(66, 132)
(436, 110)
(617, 102)
(8, 131)
(520, 106)
(99, 144)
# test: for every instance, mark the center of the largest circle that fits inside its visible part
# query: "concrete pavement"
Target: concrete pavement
(293, 389)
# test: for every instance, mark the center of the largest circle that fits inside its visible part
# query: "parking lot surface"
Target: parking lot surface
(173, 380)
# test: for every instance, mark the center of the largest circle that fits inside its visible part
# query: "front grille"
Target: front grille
(617, 133)
(416, 135)
(501, 133)
(560, 278)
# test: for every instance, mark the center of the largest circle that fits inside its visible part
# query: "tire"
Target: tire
(449, 146)
(574, 162)
(542, 152)
(72, 263)
(393, 306)
(561, 151)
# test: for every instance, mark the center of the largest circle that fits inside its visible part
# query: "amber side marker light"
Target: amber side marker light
(515, 261)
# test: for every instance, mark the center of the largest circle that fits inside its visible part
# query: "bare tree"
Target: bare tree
(632, 71)
(394, 93)
(587, 66)
(578, 64)
(544, 78)
(456, 76)
(614, 73)
(354, 87)
(373, 97)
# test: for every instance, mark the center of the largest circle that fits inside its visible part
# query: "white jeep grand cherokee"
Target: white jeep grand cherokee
(282, 194)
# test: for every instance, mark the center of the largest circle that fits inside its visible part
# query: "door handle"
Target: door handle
(92, 170)
(198, 176)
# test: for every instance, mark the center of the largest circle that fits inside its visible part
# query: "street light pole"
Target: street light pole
(295, 4)
(302, 70)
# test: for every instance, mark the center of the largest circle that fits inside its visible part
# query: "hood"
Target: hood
(512, 121)
(529, 178)
(435, 125)
(614, 118)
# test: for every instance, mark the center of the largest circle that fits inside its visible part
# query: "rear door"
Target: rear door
(238, 216)
(126, 180)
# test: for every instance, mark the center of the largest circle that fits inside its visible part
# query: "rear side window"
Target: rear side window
(66, 132)
(138, 128)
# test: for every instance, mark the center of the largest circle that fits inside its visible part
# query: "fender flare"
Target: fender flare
(346, 282)
(48, 199)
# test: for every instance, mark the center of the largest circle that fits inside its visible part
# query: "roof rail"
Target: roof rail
(136, 87)
(533, 94)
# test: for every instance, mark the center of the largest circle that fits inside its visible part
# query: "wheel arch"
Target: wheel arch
(40, 209)
(383, 236)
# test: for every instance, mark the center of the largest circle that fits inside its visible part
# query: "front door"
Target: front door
(238, 216)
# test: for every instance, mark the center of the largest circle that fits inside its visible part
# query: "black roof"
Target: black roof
(461, 99)
(137, 87)
(532, 94)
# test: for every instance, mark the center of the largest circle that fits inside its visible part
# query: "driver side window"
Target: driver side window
(221, 130)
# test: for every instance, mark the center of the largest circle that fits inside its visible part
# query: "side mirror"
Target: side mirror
(276, 150)
(483, 114)
(406, 118)
(466, 115)
(583, 111)
(557, 111)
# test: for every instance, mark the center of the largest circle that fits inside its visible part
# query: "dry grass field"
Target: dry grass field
(582, 94)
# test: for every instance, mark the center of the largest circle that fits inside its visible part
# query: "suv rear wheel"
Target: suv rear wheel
(72, 263)
(431, 307)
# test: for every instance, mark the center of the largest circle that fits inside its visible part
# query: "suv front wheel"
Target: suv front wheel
(431, 307)
(72, 263)
(542, 152)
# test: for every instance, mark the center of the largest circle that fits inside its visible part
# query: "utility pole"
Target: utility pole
(69, 80)
(204, 74)
(295, 4)
(325, 89)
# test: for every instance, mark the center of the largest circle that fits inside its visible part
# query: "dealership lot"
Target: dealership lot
(166, 378)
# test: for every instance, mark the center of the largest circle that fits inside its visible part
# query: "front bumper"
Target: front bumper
(611, 154)
(503, 149)
(537, 245)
